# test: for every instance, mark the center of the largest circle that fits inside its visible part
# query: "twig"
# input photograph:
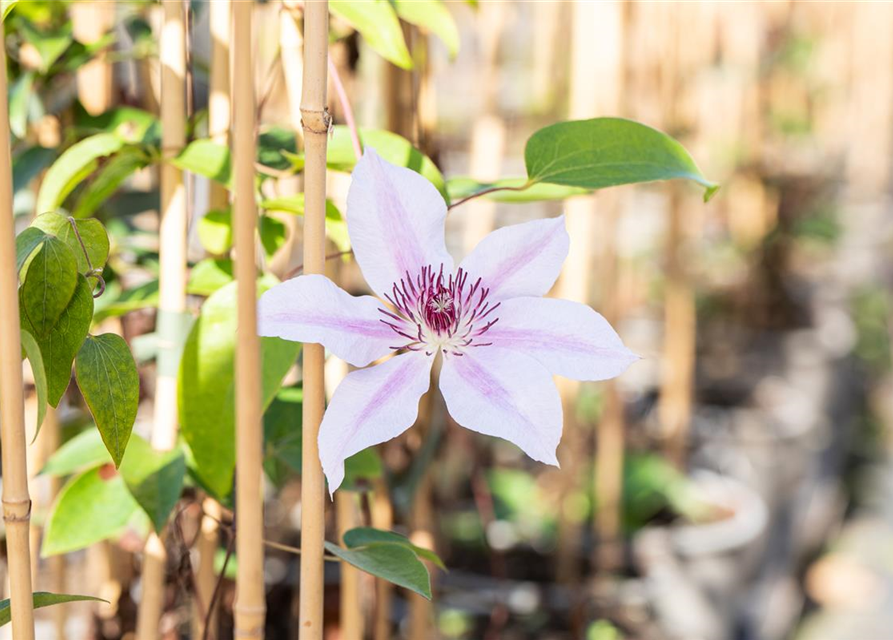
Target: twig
(484, 192)
(295, 550)
(348, 110)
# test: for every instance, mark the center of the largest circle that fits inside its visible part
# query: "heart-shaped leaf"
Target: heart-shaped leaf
(391, 561)
(108, 379)
(49, 285)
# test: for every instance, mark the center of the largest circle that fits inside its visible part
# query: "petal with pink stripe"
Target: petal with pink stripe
(395, 219)
(313, 309)
(520, 260)
(371, 406)
(503, 393)
(568, 338)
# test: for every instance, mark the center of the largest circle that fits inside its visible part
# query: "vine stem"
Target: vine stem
(348, 110)
(16, 500)
(316, 122)
(250, 603)
(91, 272)
(489, 190)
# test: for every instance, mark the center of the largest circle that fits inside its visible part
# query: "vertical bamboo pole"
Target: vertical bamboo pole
(595, 89)
(250, 604)
(50, 432)
(95, 79)
(219, 111)
(347, 515)
(382, 515)
(488, 135)
(172, 289)
(16, 500)
(219, 122)
(315, 119)
(421, 611)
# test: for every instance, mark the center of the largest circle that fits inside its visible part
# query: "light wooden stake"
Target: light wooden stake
(316, 122)
(16, 501)
(348, 517)
(90, 21)
(172, 289)
(250, 605)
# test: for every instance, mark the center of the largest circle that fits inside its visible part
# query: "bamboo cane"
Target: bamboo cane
(95, 79)
(316, 122)
(16, 500)
(51, 439)
(347, 514)
(172, 289)
(382, 514)
(595, 89)
(250, 604)
(421, 611)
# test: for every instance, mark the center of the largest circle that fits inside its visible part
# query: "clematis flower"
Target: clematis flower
(500, 340)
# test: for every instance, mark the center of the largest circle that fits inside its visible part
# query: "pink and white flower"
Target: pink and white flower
(500, 340)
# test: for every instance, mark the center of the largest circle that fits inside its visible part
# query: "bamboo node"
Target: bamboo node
(316, 120)
(12, 510)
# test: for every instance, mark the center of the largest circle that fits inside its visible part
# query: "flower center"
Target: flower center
(434, 312)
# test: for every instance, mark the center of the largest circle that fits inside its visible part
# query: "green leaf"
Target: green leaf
(6, 6)
(26, 166)
(84, 451)
(91, 507)
(390, 561)
(72, 167)
(272, 145)
(206, 158)
(215, 232)
(378, 24)
(26, 242)
(41, 599)
(92, 234)
(360, 468)
(32, 351)
(282, 435)
(294, 204)
(362, 536)
(462, 187)
(108, 379)
(604, 152)
(432, 16)
(392, 147)
(210, 275)
(128, 123)
(108, 179)
(49, 285)
(206, 386)
(21, 95)
(154, 478)
(65, 339)
(145, 296)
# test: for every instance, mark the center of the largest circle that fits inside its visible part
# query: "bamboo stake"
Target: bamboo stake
(382, 514)
(595, 89)
(219, 122)
(488, 135)
(347, 514)
(172, 290)
(51, 439)
(250, 603)
(219, 110)
(16, 500)
(316, 121)
(421, 611)
(95, 79)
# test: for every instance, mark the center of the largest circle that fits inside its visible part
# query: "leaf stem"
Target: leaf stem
(348, 110)
(91, 272)
(489, 190)
(296, 550)
(300, 267)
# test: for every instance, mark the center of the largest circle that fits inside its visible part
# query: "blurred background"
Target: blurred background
(733, 485)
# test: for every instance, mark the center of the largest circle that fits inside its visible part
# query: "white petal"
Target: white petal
(520, 260)
(503, 393)
(568, 338)
(395, 219)
(313, 309)
(371, 406)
